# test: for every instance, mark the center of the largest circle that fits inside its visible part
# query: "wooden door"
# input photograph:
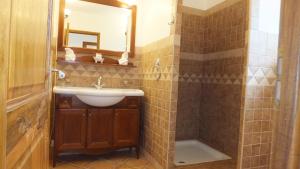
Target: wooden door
(35, 160)
(70, 129)
(5, 9)
(25, 54)
(126, 127)
(100, 128)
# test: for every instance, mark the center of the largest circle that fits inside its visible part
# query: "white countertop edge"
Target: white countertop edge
(97, 92)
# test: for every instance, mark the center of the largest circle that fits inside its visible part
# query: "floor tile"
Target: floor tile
(78, 160)
(116, 160)
(102, 164)
(137, 163)
(123, 167)
(127, 160)
(65, 166)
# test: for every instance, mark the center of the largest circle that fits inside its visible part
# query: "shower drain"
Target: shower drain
(181, 162)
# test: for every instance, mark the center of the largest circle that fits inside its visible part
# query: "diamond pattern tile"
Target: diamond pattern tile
(261, 76)
(214, 79)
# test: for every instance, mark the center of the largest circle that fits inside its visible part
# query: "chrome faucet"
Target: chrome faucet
(99, 84)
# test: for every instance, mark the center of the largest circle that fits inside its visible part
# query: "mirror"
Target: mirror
(82, 39)
(100, 26)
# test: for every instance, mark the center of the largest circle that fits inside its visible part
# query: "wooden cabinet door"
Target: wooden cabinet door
(126, 127)
(70, 129)
(100, 128)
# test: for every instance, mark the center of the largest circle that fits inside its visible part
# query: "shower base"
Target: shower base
(189, 152)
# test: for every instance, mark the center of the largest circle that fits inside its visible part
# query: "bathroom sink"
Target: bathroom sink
(98, 97)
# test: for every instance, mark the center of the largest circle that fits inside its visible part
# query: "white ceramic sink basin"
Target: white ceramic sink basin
(98, 97)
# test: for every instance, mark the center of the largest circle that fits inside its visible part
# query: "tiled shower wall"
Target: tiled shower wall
(189, 90)
(259, 92)
(221, 103)
(189, 94)
(211, 72)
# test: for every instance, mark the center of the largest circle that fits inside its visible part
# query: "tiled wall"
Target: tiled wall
(259, 94)
(211, 72)
(160, 101)
(225, 28)
(192, 33)
(221, 104)
(160, 96)
(213, 31)
(85, 75)
(189, 92)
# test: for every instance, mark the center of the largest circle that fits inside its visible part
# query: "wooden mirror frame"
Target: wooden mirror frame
(114, 3)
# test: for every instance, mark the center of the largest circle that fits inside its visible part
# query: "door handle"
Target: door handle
(61, 74)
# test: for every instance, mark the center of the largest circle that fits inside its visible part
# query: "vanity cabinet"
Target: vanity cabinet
(70, 127)
(100, 128)
(125, 133)
(80, 128)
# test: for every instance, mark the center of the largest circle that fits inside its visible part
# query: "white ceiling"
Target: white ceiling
(201, 4)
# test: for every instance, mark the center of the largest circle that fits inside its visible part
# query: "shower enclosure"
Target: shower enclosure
(226, 83)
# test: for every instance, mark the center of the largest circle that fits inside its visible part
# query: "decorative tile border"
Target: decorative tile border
(167, 73)
(261, 76)
(258, 76)
(214, 56)
(212, 78)
(228, 79)
(96, 71)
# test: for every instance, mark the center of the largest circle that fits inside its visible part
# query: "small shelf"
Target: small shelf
(89, 61)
